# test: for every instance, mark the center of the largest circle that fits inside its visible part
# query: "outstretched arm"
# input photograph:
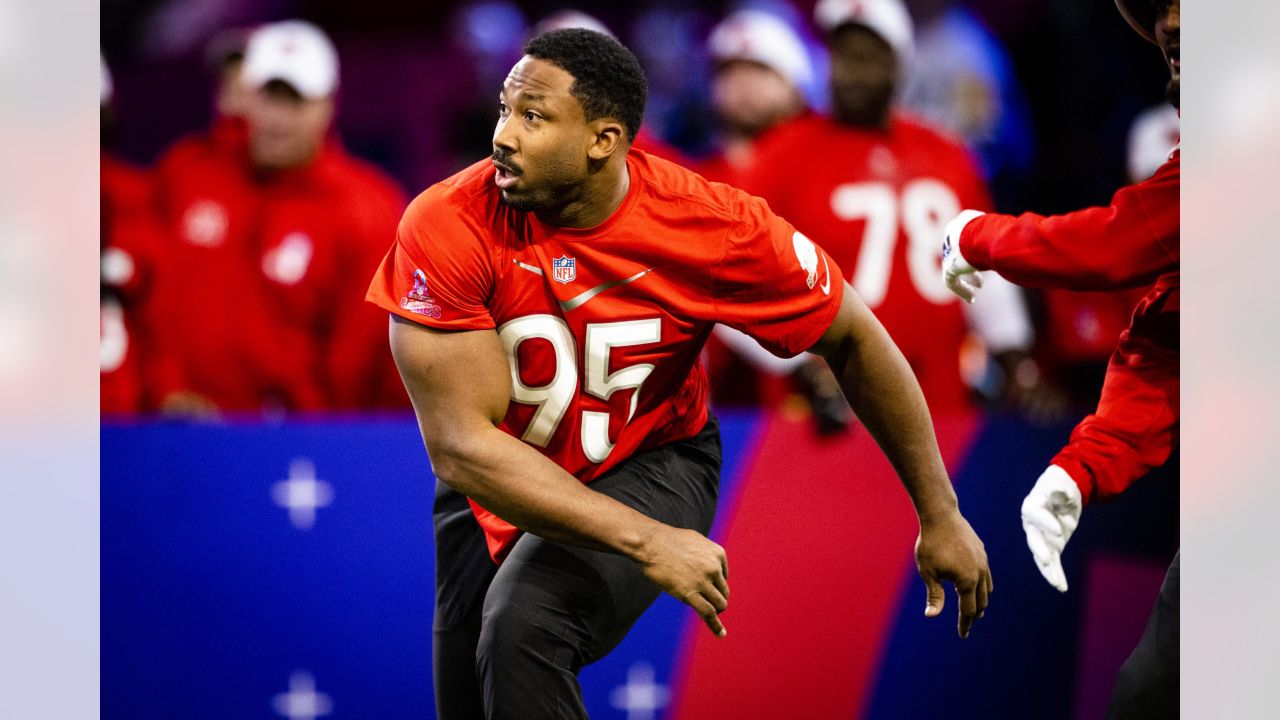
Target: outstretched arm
(880, 387)
(459, 383)
(1126, 244)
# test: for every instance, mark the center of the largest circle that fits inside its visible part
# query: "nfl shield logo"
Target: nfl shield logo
(564, 269)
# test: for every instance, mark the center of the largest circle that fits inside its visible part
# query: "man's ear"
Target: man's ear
(610, 136)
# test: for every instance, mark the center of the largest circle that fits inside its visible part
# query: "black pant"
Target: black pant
(1147, 686)
(509, 641)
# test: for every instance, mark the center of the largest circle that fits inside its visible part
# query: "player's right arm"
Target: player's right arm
(459, 383)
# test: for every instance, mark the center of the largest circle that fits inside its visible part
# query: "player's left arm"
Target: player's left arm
(1133, 431)
(879, 385)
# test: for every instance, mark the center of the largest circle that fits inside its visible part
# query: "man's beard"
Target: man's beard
(754, 124)
(1172, 93)
(549, 196)
(525, 204)
(869, 111)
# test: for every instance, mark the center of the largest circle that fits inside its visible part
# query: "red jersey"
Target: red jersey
(603, 326)
(1130, 243)
(269, 269)
(878, 201)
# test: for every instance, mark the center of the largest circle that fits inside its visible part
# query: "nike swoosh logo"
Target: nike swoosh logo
(530, 268)
(826, 284)
(580, 299)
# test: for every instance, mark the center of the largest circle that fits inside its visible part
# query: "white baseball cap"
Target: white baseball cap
(295, 52)
(887, 18)
(765, 38)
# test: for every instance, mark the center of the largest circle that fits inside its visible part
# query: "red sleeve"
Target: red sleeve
(775, 284)
(1135, 427)
(1127, 244)
(438, 273)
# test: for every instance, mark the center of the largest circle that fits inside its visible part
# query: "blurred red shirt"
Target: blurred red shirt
(267, 272)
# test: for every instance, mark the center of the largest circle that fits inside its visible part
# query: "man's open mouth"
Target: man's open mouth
(504, 177)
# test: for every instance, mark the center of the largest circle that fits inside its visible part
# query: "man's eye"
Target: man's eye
(531, 116)
(502, 110)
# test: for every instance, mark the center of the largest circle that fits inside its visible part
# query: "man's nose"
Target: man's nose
(504, 137)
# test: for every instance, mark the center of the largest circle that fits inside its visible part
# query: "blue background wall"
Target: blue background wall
(212, 599)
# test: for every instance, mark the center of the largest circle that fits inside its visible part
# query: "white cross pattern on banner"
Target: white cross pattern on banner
(302, 702)
(302, 493)
(641, 697)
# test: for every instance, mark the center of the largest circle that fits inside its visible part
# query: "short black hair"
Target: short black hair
(607, 78)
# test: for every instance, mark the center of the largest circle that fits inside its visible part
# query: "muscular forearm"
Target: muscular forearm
(520, 485)
(882, 390)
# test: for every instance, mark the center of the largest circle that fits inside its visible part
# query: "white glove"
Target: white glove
(1050, 513)
(960, 277)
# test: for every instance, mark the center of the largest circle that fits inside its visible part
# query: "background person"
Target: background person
(870, 185)
(270, 232)
(1131, 243)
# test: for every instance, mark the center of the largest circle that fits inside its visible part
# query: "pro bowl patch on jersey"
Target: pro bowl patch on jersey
(807, 254)
(564, 269)
(419, 299)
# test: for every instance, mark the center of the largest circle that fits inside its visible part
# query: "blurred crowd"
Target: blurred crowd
(254, 167)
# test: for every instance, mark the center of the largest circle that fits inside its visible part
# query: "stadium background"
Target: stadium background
(218, 598)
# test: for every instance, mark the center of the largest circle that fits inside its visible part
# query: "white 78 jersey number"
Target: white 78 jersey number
(921, 210)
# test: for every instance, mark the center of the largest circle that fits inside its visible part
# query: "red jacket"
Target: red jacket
(1128, 244)
(266, 277)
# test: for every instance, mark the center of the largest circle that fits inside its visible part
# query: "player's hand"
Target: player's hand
(690, 568)
(189, 405)
(829, 410)
(1050, 513)
(960, 277)
(949, 549)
